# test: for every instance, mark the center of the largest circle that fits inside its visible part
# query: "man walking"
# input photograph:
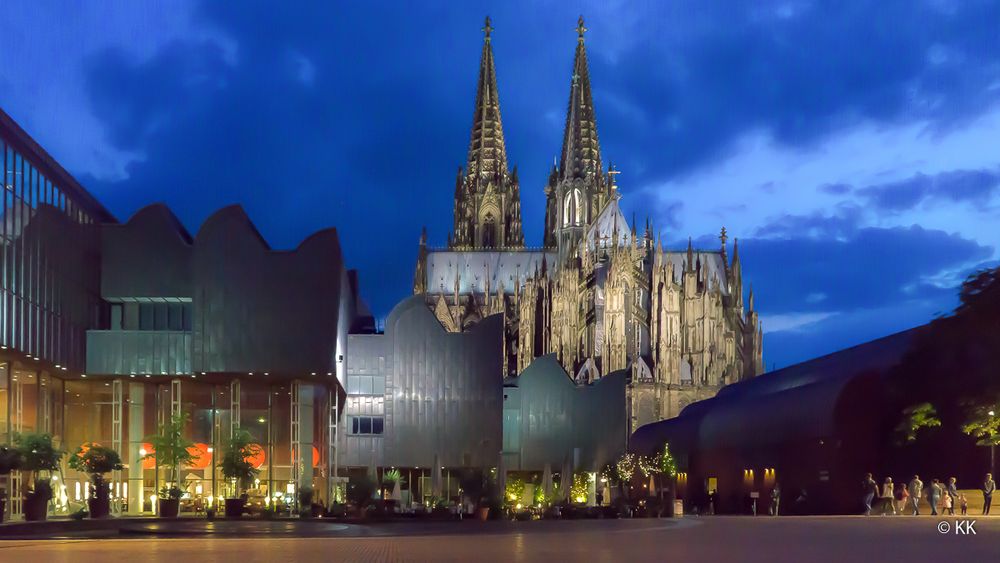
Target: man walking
(934, 496)
(916, 489)
(988, 487)
(870, 488)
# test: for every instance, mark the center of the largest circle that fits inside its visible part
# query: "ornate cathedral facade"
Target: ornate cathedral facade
(600, 295)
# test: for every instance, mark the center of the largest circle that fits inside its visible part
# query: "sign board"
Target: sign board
(755, 494)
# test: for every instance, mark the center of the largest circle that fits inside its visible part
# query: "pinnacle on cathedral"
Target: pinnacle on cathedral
(487, 195)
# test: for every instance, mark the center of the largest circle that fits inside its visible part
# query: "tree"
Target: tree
(983, 424)
(235, 464)
(171, 450)
(96, 461)
(915, 418)
(624, 472)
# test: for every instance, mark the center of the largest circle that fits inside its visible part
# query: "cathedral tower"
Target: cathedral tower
(578, 188)
(487, 195)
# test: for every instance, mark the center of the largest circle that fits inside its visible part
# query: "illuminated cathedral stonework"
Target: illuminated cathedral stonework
(598, 294)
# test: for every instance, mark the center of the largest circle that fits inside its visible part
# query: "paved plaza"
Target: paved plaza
(835, 539)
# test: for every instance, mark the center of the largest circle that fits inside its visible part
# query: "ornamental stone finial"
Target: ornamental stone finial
(487, 28)
(580, 30)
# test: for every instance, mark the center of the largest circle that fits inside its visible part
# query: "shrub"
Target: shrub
(236, 456)
(360, 490)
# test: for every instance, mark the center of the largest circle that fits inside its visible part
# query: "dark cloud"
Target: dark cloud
(835, 189)
(855, 267)
(697, 84)
(973, 186)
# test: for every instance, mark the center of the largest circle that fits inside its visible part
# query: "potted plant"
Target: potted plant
(10, 460)
(236, 467)
(359, 491)
(38, 454)
(170, 450)
(390, 480)
(472, 485)
(306, 495)
(97, 461)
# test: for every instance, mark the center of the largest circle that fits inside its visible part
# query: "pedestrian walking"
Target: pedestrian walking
(903, 496)
(965, 504)
(775, 499)
(916, 489)
(934, 493)
(989, 486)
(952, 493)
(888, 497)
(870, 489)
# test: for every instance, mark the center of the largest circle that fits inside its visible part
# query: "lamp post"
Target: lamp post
(992, 442)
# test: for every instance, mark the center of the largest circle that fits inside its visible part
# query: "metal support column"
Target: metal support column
(295, 437)
(270, 442)
(215, 442)
(117, 405)
(234, 407)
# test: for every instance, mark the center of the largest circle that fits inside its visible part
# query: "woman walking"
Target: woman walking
(903, 496)
(888, 498)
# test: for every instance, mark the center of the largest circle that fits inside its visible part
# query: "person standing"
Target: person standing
(952, 492)
(989, 486)
(888, 497)
(934, 496)
(870, 488)
(916, 489)
(775, 499)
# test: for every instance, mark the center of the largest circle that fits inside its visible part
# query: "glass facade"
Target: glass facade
(48, 276)
(92, 365)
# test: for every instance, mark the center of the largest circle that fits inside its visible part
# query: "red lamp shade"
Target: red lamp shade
(202, 457)
(148, 463)
(258, 459)
(315, 457)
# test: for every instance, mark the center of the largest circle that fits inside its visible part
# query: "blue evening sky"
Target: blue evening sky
(851, 146)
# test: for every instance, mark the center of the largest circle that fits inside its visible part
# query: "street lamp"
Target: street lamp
(992, 442)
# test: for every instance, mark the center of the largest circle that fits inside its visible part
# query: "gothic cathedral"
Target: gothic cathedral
(599, 295)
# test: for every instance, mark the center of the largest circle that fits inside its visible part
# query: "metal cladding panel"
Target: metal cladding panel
(147, 257)
(256, 309)
(444, 390)
(124, 352)
(559, 417)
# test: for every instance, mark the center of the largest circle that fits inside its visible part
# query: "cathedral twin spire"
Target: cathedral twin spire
(581, 151)
(487, 194)
(487, 150)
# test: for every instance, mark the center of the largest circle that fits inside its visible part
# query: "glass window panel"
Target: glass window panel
(366, 385)
(146, 316)
(378, 385)
(366, 424)
(377, 424)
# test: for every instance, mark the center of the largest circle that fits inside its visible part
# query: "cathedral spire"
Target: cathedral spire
(581, 152)
(487, 151)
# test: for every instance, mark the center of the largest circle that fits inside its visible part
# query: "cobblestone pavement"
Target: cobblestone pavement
(835, 539)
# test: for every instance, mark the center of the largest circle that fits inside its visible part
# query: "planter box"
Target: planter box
(169, 507)
(234, 508)
(99, 507)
